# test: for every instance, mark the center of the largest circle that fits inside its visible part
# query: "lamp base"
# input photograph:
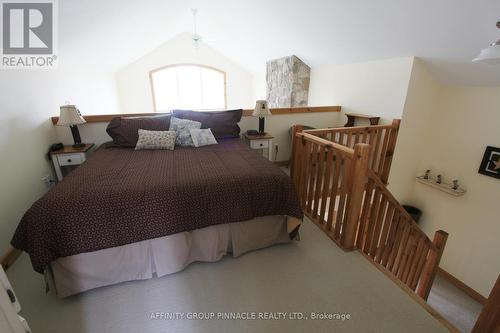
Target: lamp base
(261, 125)
(76, 137)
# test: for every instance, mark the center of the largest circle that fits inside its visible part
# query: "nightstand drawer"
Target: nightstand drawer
(257, 144)
(70, 159)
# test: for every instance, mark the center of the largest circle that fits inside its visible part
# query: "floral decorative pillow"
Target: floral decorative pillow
(155, 140)
(202, 137)
(182, 127)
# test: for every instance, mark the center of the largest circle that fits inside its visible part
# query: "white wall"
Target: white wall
(419, 111)
(375, 87)
(28, 99)
(133, 80)
(466, 122)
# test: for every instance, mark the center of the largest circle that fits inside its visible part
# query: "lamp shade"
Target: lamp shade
(261, 109)
(70, 115)
(490, 55)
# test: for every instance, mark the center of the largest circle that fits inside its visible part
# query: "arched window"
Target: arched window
(186, 86)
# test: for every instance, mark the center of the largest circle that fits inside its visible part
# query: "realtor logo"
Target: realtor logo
(28, 34)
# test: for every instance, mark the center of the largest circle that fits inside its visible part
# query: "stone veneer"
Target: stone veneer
(287, 82)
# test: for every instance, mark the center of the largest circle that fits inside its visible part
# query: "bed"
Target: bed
(129, 215)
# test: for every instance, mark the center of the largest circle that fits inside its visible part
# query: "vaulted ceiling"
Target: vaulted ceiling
(447, 34)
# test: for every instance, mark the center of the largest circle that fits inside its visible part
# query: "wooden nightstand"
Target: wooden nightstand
(67, 158)
(262, 142)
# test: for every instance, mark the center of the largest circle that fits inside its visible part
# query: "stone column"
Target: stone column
(287, 82)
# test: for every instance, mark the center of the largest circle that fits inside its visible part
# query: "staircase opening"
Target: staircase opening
(341, 178)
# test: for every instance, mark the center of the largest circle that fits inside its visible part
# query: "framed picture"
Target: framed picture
(490, 166)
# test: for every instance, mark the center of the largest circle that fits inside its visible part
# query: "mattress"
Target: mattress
(166, 255)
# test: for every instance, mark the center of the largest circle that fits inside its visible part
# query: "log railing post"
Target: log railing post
(432, 264)
(357, 187)
(297, 156)
(295, 129)
(384, 175)
(489, 318)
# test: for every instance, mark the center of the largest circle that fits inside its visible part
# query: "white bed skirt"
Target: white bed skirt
(165, 255)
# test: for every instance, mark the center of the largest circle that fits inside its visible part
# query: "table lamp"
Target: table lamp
(70, 116)
(261, 110)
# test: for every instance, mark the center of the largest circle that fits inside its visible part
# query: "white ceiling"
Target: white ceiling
(446, 33)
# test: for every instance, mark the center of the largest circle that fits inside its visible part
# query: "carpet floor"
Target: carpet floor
(310, 276)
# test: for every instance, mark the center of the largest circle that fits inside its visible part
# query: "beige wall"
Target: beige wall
(375, 87)
(28, 99)
(382, 86)
(419, 112)
(133, 80)
(466, 121)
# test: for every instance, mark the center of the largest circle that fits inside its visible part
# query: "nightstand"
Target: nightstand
(68, 158)
(261, 141)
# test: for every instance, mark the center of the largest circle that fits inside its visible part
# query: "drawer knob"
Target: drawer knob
(261, 144)
(69, 160)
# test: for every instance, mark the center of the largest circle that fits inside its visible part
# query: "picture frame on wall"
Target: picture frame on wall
(490, 166)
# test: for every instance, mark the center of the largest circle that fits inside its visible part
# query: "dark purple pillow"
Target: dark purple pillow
(125, 131)
(224, 124)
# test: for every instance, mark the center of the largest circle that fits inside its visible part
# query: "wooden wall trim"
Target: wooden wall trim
(419, 300)
(246, 113)
(462, 286)
(9, 257)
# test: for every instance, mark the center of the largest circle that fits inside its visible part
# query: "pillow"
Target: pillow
(124, 131)
(202, 137)
(182, 127)
(224, 124)
(155, 140)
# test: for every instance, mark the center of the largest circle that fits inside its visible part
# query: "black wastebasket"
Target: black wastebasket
(414, 212)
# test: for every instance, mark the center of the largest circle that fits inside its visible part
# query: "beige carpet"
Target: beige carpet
(312, 275)
(454, 305)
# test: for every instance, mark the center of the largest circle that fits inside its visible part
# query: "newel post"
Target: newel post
(295, 154)
(384, 176)
(358, 181)
(432, 264)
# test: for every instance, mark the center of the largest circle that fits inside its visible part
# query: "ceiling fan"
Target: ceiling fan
(491, 54)
(197, 38)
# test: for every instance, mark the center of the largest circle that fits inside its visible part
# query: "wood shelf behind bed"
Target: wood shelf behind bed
(246, 112)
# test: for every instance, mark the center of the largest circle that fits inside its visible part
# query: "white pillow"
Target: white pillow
(182, 127)
(155, 140)
(202, 137)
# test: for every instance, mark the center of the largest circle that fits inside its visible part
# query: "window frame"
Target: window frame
(153, 71)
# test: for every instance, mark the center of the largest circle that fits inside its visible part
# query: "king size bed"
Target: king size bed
(128, 214)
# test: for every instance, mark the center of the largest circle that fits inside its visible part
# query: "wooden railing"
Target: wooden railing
(341, 176)
(389, 237)
(381, 138)
(322, 172)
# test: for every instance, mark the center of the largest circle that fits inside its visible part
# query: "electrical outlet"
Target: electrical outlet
(48, 181)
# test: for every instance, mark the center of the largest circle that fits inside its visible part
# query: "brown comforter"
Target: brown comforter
(120, 196)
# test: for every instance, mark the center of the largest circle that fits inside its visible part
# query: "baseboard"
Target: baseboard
(462, 286)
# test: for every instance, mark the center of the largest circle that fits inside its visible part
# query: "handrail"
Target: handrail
(381, 138)
(349, 152)
(347, 129)
(389, 236)
(341, 175)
